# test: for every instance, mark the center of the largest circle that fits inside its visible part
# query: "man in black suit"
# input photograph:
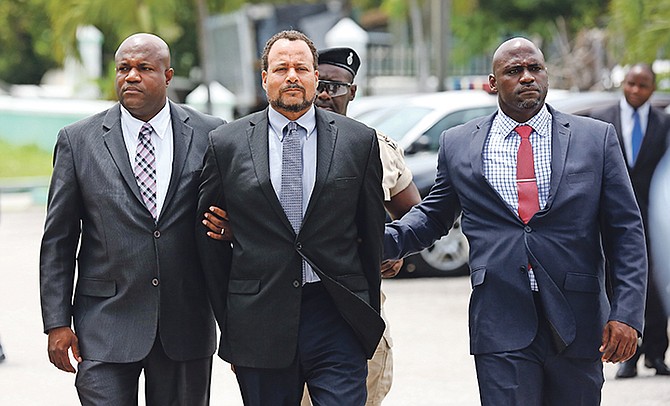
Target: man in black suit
(121, 206)
(297, 293)
(643, 132)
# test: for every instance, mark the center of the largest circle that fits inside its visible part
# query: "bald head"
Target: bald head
(520, 78)
(513, 46)
(146, 41)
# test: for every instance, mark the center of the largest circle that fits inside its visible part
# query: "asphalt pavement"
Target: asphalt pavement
(428, 319)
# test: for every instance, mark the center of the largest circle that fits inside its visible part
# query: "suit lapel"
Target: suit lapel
(476, 153)
(560, 139)
(182, 134)
(257, 137)
(326, 135)
(113, 138)
(650, 141)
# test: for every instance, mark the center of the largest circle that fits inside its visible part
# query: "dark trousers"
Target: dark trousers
(167, 382)
(329, 359)
(538, 375)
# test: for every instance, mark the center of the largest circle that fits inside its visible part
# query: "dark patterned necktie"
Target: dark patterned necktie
(145, 168)
(525, 175)
(290, 195)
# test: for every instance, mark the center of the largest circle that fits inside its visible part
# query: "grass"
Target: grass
(18, 161)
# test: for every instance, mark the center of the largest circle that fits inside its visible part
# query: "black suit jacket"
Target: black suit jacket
(653, 147)
(134, 277)
(255, 285)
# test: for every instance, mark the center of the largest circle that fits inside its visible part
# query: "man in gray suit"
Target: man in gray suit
(545, 200)
(121, 206)
(297, 294)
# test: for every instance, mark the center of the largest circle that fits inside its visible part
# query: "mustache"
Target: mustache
(292, 86)
(529, 87)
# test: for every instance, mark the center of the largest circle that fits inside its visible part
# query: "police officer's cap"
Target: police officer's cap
(342, 57)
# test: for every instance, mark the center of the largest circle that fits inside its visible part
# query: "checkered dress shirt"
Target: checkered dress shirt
(499, 159)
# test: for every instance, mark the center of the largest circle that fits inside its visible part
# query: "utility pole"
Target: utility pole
(441, 33)
(203, 48)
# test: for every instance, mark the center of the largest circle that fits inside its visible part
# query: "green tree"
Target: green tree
(639, 30)
(24, 41)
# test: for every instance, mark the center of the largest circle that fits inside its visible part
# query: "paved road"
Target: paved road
(428, 322)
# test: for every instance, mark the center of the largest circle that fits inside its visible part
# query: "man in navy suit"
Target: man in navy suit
(540, 320)
(643, 135)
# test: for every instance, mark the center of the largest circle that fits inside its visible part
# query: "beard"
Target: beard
(295, 107)
(529, 104)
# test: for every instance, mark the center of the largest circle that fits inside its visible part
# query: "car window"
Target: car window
(394, 122)
(452, 120)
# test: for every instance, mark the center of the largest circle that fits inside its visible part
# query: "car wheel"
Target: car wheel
(447, 257)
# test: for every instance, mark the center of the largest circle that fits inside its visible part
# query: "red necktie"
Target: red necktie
(525, 175)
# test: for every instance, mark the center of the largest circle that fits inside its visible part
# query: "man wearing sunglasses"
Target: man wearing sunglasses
(337, 71)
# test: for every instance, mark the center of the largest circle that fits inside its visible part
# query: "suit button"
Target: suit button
(157, 234)
(527, 229)
(522, 269)
(155, 282)
(298, 246)
(296, 283)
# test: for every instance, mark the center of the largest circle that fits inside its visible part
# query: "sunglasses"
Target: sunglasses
(333, 88)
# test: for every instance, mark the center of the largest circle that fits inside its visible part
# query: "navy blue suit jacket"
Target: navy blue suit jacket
(590, 214)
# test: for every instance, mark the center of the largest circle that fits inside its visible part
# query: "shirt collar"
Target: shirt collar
(539, 122)
(159, 122)
(628, 110)
(278, 121)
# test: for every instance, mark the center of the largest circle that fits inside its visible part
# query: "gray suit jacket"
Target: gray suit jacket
(134, 278)
(590, 215)
(255, 286)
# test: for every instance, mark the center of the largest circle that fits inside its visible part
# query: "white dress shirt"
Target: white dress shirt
(163, 142)
(627, 125)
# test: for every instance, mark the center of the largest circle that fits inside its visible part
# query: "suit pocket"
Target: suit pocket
(477, 276)
(244, 286)
(345, 182)
(96, 287)
(580, 177)
(581, 282)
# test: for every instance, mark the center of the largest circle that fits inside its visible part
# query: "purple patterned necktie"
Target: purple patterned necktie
(145, 168)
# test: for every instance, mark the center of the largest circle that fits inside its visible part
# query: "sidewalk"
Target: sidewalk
(428, 320)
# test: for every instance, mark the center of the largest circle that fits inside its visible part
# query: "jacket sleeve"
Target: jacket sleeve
(60, 239)
(371, 217)
(623, 238)
(429, 220)
(215, 255)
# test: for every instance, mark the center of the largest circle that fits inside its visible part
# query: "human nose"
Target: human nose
(526, 76)
(292, 75)
(133, 75)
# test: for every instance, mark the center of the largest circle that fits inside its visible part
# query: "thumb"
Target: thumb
(75, 349)
(606, 339)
